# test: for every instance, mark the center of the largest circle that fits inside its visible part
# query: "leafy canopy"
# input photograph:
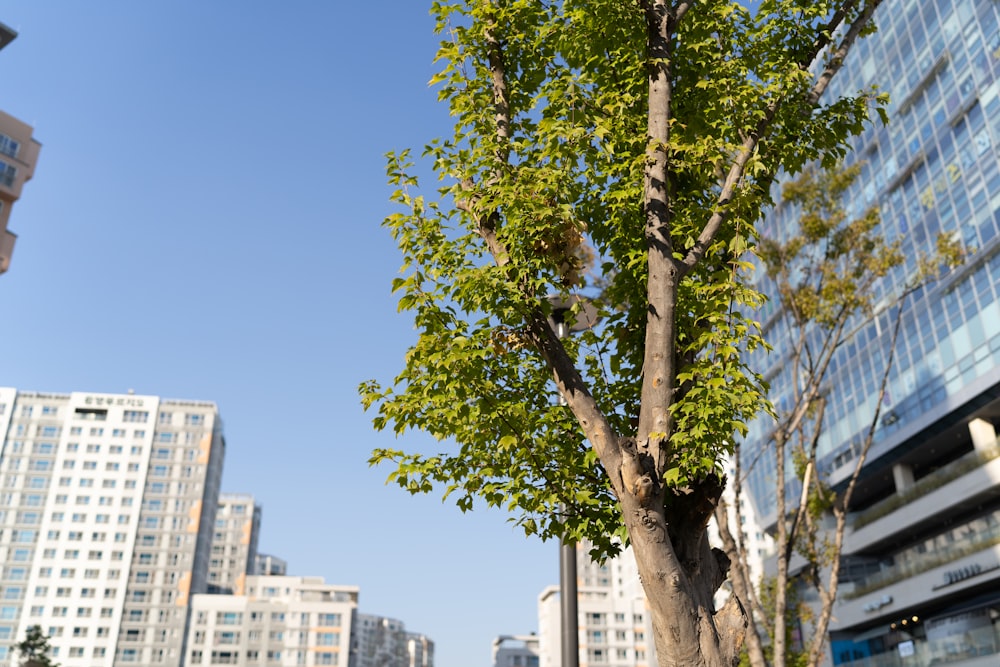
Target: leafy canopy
(541, 193)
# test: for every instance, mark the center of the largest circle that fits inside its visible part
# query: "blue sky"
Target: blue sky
(204, 223)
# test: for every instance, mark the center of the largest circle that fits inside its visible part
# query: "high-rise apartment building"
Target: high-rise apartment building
(234, 544)
(614, 625)
(268, 564)
(920, 580)
(384, 642)
(279, 621)
(18, 156)
(107, 510)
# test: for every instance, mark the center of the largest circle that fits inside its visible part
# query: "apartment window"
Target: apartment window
(327, 638)
(37, 610)
(138, 416)
(108, 484)
(9, 147)
(328, 620)
(96, 431)
(228, 618)
(326, 658)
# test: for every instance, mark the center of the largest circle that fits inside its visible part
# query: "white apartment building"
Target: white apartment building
(234, 544)
(384, 642)
(615, 628)
(516, 651)
(279, 621)
(107, 506)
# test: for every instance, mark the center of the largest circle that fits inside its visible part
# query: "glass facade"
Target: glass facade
(935, 168)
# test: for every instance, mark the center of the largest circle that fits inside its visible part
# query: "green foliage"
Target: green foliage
(35, 648)
(541, 188)
(798, 614)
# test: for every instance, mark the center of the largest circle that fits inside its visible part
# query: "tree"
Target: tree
(645, 136)
(823, 276)
(34, 648)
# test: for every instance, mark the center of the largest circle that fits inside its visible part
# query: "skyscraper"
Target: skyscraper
(107, 508)
(921, 575)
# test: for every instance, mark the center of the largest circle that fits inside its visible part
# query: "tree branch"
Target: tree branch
(749, 146)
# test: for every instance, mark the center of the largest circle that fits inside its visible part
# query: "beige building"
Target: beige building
(18, 155)
(278, 621)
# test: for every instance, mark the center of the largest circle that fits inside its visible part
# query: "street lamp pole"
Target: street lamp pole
(585, 319)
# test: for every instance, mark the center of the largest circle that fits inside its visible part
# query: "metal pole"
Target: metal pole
(567, 599)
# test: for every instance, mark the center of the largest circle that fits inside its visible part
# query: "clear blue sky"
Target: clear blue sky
(204, 223)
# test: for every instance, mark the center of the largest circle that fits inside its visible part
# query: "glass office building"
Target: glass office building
(921, 582)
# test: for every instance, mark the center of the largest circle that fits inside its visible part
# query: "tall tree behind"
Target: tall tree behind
(649, 132)
(823, 276)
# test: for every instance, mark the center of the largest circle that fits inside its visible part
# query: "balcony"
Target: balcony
(899, 590)
(7, 240)
(970, 478)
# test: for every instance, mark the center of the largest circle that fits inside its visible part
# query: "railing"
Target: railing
(926, 484)
(918, 563)
(924, 655)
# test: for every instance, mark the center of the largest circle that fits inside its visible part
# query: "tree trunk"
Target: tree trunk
(680, 574)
